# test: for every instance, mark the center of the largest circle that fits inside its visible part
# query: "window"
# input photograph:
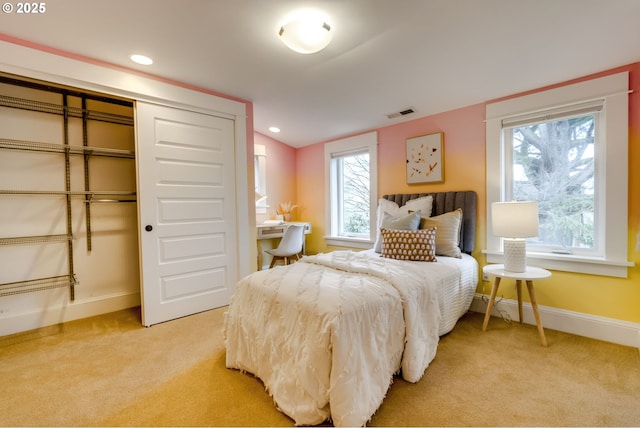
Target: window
(260, 176)
(352, 194)
(551, 160)
(565, 148)
(351, 171)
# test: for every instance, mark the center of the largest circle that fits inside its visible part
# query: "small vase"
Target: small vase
(287, 217)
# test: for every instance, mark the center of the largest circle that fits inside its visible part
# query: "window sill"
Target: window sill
(570, 263)
(341, 241)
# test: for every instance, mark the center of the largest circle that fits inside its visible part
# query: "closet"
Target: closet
(68, 210)
(118, 190)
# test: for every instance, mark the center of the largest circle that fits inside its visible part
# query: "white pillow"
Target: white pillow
(423, 204)
(447, 227)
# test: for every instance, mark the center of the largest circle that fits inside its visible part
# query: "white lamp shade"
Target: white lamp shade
(514, 219)
(306, 35)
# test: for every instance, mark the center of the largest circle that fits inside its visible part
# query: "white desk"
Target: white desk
(498, 272)
(270, 231)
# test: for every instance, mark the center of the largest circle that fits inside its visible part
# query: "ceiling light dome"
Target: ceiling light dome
(306, 34)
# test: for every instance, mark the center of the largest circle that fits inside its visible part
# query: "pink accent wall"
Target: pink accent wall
(463, 151)
(464, 165)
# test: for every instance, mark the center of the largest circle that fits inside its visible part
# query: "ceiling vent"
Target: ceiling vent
(404, 112)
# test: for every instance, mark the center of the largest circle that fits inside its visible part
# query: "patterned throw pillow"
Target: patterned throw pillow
(423, 204)
(448, 235)
(416, 245)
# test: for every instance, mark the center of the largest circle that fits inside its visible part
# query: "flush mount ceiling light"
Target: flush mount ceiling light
(274, 129)
(141, 59)
(306, 33)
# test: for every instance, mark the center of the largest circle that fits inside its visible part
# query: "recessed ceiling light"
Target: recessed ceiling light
(141, 59)
(274, 129)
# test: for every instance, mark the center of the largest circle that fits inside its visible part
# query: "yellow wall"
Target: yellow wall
(464, 169)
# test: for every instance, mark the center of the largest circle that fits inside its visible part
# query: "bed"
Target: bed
(326, 335)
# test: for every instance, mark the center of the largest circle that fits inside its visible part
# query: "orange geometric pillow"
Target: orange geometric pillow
(415, 245)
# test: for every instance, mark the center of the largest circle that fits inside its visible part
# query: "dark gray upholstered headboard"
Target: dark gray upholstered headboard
(444, 202)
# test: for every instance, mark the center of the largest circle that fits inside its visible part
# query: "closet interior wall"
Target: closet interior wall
(68, 212)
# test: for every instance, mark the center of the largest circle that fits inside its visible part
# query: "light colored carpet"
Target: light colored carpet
(110, 371)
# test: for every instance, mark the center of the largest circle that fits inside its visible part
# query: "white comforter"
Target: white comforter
(326, 334)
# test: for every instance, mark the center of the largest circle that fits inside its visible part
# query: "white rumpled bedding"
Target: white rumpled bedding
(327, 334)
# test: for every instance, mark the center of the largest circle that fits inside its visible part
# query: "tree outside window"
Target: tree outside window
(355, 194)
(554, 164)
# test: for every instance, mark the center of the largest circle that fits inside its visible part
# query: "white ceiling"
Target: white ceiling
(386, 55)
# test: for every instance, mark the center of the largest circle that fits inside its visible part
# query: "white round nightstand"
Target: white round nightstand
(498, 272)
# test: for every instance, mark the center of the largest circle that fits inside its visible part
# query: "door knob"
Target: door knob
(148, 228)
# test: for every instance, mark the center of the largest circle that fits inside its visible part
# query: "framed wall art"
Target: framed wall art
(424, 159)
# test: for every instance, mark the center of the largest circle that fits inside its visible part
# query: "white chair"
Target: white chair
(290, 245)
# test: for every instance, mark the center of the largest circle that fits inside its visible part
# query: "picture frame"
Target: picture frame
(425, 155)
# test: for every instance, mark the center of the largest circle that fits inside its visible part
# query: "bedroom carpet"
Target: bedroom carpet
(110, 371)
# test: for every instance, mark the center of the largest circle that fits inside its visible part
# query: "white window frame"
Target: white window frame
(360, 143)
(592, 108)
(612, 163)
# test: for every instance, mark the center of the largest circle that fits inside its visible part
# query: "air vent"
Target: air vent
(404, 112)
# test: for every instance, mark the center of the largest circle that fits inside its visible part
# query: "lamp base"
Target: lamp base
(515, 255)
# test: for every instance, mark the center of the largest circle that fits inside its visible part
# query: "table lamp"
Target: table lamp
(515, 221)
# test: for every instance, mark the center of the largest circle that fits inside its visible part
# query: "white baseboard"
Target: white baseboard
(592, 326)
(21, 322)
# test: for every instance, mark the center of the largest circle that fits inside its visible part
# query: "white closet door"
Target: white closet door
(187, 211)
